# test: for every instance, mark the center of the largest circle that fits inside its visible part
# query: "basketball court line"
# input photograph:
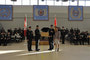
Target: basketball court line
(33, 53)
(10, 51)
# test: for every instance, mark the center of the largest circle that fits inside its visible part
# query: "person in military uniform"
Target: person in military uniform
(71, 30)
(63, 35)
(77, 38)
(0, 39)
(29, 38)
(3, 39)
(8, 37)
(37, 37)
(73, 38)
(51, 35)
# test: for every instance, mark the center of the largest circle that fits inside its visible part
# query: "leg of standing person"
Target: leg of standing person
(88, 40)
(0, 42)
(63, 40)
(52, 45)
(36, 39)
(49, 43)
(5, 42)
(83, 41)
(31, 44)
(28, 45)
(80, 41)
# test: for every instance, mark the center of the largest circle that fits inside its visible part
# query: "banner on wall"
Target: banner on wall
(75, 13)
(6, 12)
(40, 12)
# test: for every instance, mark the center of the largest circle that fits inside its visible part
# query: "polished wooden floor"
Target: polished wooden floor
(18, 51)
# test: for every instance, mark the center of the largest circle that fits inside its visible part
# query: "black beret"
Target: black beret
(37, 26)
(51, 25)
(29, 26)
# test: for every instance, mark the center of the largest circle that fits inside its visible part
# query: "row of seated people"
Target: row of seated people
(75, 36)
(11, 36)
(79, 38)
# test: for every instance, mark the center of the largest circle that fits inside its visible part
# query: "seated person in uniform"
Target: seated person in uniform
(8, 37)
(17, 37)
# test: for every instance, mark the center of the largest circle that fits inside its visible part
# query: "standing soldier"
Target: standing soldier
(37, 37)
(51, 34)
(63, 35)
(29, 38)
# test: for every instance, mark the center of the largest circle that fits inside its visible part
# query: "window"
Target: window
(2, 1)
(9, 2)
(66, 3)
(87, 2)
(26, 2)
(81, 2)
(46, 2)
(58, 3)
(50, 2)
(73, 3)
(18, 2)
(42, 2)
(34, 2)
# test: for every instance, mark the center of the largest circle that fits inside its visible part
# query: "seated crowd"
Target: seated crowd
(74, 36)
(16, 35)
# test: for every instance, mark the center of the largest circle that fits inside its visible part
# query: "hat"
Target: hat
(51, 25)
(29, 26)
(37, 26)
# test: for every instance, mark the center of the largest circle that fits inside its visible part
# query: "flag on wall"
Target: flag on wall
(25, 25)
(75, 13)
(6, 12)
(40, 12)
(55, 22)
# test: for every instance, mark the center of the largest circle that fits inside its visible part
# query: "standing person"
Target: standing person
(63, 35)
(57, 39)
(37, 37)
(51, 34)
(29, 38)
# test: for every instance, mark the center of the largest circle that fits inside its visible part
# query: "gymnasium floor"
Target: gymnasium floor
(18, 51)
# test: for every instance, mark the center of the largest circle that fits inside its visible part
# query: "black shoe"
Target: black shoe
(30, 50)
(37, 49)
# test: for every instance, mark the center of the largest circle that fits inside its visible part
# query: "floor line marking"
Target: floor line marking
(33, 53)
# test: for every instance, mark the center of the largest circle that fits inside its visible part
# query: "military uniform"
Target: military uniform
(63, 36)
(0, 40)
(37, 37)
(29, 37)
(51, 34)
(8, 37)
